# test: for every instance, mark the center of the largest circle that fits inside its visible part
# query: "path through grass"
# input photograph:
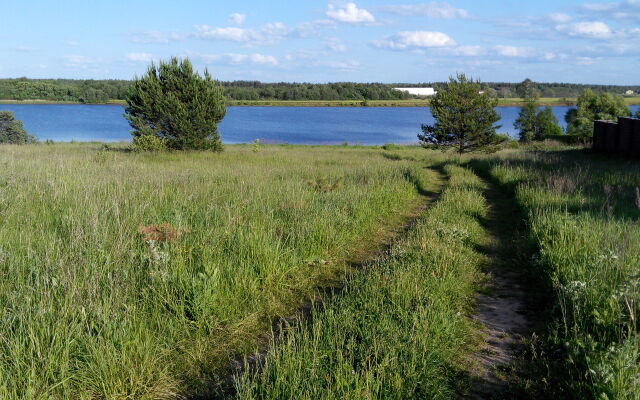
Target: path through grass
(91, 308)
(399, 329)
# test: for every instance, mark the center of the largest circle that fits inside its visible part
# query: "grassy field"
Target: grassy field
(150, 276)
(507, 102)
(399, 329)
(142, 276)
(583, 216)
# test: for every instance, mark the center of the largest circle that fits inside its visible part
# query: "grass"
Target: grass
(399, 328)
(92, 310)
(147, 276)
(583, 211)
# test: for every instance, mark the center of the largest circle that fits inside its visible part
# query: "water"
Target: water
(296, 125)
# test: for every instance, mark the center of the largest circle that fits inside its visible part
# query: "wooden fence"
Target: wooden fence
(622, 137)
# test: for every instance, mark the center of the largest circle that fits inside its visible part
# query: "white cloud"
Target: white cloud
(267, 34)
(139, 57)
(261, 59)
(335, 44)
(514, 51)
(560, 18)
(350, 13)
(237, 18)
(75, 60)
(431, 10)
(415, 39)
(146, 37)
(622, 10)
(600, 6)
(239, 59)
(466, 51)
(232, 33)
(590, 29)
(349, 65)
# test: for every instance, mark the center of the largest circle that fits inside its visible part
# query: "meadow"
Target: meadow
(400, 327)
(583, 213)
(145, 275)
(279, 271)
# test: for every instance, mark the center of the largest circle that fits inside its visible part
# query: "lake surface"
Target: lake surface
(296, 125)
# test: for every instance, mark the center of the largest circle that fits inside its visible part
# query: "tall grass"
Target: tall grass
(399, 329)
(89, 309)
(583, 214)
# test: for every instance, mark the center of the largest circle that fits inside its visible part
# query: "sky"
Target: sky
(326, 40)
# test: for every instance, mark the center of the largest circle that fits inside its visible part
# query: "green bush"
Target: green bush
(174, 103)
(391, 146)
(145, 143)
(12, 131)
(593, 107)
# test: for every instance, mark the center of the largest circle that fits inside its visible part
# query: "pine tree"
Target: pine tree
(12, 131)
(464, 117)
(526, 121)
(532, 123)
(174, 103)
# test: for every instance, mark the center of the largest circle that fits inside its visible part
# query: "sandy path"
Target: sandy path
(502, 308)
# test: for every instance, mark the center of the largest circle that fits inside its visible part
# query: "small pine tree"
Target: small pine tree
(533, 123)
(464, 117)
(546, 124)
(12, 131)
(177, 105)
(526, 121)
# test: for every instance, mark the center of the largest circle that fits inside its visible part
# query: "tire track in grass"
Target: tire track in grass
(430, 188)
(398, 330)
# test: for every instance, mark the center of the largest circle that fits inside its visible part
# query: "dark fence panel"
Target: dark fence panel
(611, 138)
(599, 132)
(635, 139)
(625, 130)
(617, 138)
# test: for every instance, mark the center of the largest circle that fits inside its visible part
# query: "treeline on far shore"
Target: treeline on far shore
(102, 91)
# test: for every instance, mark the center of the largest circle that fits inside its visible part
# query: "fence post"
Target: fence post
(611, 137)
(635, 139)
(625, 130)
(599, 128)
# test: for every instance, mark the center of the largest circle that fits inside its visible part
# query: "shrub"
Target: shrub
(464, 117)
(547, 124)
(144, 143)
(391, 146)
(592, 107)
(174, 103)
(12, 131)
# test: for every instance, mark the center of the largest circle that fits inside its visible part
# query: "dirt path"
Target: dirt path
(503, 308)
(428, 196)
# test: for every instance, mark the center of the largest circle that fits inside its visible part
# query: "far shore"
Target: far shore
(508, 102)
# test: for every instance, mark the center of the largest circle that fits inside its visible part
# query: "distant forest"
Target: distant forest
(101, 91)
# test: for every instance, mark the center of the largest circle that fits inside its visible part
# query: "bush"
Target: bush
(144, 143)
(12, 131)
(391, 146)
(464, 117)
(178, 106)
(592, 107)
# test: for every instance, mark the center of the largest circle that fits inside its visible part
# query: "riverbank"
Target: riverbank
(508, 102)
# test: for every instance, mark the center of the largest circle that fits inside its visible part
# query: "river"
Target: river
(295, 125)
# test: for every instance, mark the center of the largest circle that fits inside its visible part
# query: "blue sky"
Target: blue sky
(325, 40)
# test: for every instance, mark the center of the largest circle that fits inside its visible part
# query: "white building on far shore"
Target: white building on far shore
(418, 91)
